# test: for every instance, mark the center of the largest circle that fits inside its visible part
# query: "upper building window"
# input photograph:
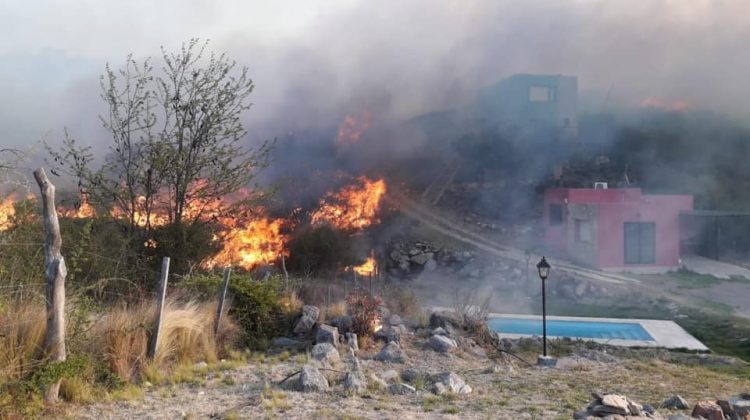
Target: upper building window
(541, 94)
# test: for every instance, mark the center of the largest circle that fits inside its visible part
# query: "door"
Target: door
(640, 242)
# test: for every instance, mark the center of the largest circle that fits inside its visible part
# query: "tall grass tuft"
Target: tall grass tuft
(22, 331)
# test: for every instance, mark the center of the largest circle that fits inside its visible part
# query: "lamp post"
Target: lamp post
(543, 267)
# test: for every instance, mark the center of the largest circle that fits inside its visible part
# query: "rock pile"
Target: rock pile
(410, 258)
(307, 321)
(391, 352)
(614, 405)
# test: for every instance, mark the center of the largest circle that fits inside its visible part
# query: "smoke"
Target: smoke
(318, 62)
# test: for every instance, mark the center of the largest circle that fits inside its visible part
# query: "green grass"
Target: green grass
(691, 280)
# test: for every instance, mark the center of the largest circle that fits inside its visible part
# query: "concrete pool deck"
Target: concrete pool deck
(665, 334)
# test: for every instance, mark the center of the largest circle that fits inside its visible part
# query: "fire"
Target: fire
(141, 217)
(84, 210)
(366, 269)
(677, 105)
(354, 207)
(250, 244)
(7, 211)
(353, 127)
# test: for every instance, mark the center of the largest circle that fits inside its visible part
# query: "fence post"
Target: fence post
(222, 298)
(55, 272)
(160, 310)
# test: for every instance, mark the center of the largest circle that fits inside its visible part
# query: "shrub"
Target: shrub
(259, 307)
(365, 311)
(320, 249)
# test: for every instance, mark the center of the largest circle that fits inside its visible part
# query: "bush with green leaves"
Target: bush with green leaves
(320, 249)
(256, 305)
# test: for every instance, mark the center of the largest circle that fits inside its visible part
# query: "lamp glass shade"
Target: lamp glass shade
(543, 267)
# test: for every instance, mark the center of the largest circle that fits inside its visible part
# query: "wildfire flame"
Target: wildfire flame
(368, 268)
(7, 211)
(83, 211)
(677, 105)
(353, 207)
(353, 127)
(250, 244)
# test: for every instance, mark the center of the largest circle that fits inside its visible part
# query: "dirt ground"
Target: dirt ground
(502, 388)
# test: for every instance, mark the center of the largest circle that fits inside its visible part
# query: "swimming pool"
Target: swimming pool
(572, 329)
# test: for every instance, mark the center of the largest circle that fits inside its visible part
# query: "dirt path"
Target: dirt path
(425, 215)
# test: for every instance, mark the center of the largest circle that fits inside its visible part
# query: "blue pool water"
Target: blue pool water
(573, 329)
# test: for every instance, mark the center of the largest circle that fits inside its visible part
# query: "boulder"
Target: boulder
(401, 389)
(307, 320)
(311, 380)
(439, 389)
(443, 344)
(443, 319)
(675, 402)
(352, 341)
(288, 343)
(708, 410)
(616, 401)
(422, 259)
(327, 334)
(355, 382)
(740, 406)
(325, 353)
(305, 325)
(394, 320)
(409, 375)
(453, 383)
(613, 406)
(388, 334)
(392, 353)
(430, 265)
(439, 331)
(311, 311)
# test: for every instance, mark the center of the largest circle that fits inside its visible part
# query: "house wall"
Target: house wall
(662, 210)
(583, 249)
(609, 210)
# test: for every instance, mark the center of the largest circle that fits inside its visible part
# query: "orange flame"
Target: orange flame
(353, 207)
(368, 268)
(7, 211)
(353, 127)
(677, 105)
(84, 210)
(250, 244)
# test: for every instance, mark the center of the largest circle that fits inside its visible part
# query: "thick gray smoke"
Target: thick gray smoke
(317, 62)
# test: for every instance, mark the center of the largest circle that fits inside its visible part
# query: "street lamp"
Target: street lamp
(543, 267)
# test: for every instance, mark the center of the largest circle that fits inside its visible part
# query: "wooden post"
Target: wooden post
(222, 298)
(55, 272)
(160, 310)
(286, 273)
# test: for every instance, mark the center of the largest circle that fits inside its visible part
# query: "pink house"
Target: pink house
(619, 229)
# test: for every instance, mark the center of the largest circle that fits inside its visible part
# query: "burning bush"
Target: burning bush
(365, 311)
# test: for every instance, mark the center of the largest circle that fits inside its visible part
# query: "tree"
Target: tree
(176, 148)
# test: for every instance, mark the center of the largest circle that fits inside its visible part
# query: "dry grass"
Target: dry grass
(121, 336)
(291, 302)
(22, 331)
(333, 310)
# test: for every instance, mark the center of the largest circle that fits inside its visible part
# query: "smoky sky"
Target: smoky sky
(314, 62)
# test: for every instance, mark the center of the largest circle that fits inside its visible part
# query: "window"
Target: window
(640, 242)
(584, 231)
(541, 94)
(555, 214)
